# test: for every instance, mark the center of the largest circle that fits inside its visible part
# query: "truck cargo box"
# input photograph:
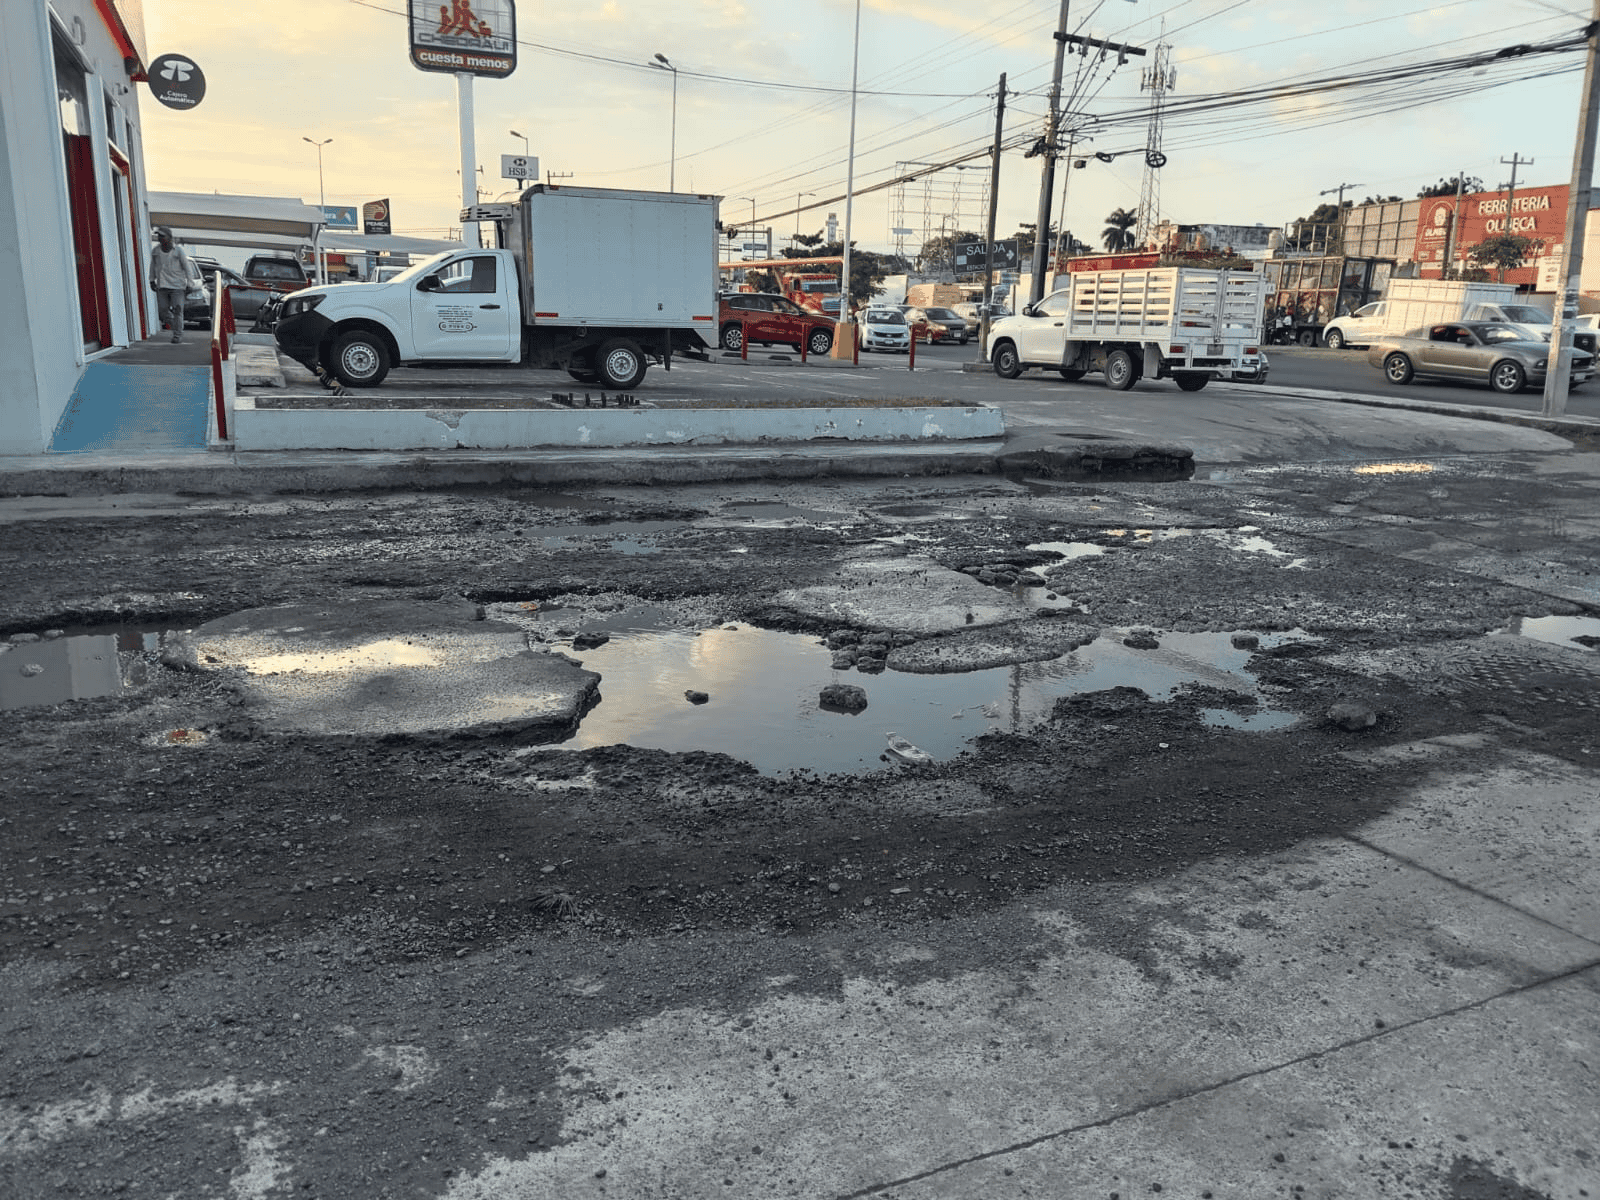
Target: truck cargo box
(610, 257)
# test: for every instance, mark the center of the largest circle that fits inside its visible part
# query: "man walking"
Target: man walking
(169, 277)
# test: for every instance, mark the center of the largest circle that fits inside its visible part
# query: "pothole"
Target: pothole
(1559, 631)
(764, 687)
(55, 670)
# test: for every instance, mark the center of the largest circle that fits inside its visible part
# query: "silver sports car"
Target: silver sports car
(1491, 351)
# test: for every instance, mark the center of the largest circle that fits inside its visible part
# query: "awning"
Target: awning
(338, 241)
(203, 215)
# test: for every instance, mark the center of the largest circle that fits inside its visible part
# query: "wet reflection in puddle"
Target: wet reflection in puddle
(372, 656)
(1068, 549)
(66, 668)
(1259, 722)
(764, 687)
(1579, 633)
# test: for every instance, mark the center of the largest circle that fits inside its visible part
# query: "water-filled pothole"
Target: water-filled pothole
(1577, 632)
(57, 670)
(764, 688)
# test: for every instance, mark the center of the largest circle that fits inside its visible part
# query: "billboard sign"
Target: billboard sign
(339, 216)
(478, 37)
(1539, 214)
(519, 166)
(375, 217)
(177, 81)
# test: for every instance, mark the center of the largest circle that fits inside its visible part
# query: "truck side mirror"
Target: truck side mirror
(430, 283)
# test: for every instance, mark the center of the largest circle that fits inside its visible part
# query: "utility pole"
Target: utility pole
(1513, 162)
(1455, 224)
(1339, 212)
(1556, 379)
(1047, 174)
(988, 246)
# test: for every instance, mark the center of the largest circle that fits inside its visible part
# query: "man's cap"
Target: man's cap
(163, 231)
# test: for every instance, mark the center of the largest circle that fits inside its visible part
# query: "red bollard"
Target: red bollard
(911, 365)
(744, 341)
(805, 336)
(855, 350)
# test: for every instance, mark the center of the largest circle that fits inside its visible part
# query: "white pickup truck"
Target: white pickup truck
(1409, 304)
(598, 282)
(1190, 324)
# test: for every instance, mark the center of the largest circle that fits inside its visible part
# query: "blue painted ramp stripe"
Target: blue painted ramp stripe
(117, 407)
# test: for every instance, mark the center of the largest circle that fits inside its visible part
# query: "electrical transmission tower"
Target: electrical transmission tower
(949, 200)
(1157, 79)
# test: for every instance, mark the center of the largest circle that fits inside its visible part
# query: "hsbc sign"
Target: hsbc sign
(478, 37)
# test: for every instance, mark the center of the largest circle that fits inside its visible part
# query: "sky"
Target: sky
(763, 107)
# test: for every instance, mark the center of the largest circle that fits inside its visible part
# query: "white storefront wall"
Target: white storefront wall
(42, 349)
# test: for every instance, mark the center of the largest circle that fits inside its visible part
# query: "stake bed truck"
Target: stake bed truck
(597, 282)
(1190, 324)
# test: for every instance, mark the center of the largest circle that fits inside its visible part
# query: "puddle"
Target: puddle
(1560, 631)
(1068, 549)
(1395, 468)
(1259, 722)
(622, 537)
(60, 669)
(764, 686)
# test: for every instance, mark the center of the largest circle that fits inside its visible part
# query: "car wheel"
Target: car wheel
(1071, 374)
(1006, 363)
(1397, 369)
(819, 342)
(619, 364)
(1121, 374)
(1191, 381)
(1507, 377)
(732, 337)
(360, 359)
(1333, 340)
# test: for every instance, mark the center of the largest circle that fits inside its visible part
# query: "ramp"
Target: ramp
(123, 406)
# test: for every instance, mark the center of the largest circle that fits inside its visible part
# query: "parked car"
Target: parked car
(885, 329)
(247, 298)
(276, 273)
(1491, 352)
(384, 274)
(196, 301)
(973, 313)
(771, 320)
(954, 324)
(924, 326)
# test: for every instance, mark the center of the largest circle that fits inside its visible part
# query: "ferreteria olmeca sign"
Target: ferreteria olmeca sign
(475, 36)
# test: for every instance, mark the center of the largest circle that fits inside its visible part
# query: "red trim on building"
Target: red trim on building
(119, 34)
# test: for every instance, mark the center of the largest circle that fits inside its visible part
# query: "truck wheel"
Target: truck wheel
(1191, 381)
(1006, 363)
(1333, 340)
(1121, 374)
(732, 337)
(819, 342)
(1308, 337)
(360, 359)
(620, 364)
(1507, 377)
(1071, 374)
(1397, 369)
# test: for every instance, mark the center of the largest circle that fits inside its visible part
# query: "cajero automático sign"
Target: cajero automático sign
(478, 37)
(177, 81)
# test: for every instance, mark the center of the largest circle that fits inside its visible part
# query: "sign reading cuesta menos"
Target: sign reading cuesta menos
(478, 37)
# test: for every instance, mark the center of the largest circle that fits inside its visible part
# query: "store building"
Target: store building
(1446, 231)
(74, 224)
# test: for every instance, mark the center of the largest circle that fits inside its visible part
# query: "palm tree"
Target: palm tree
(1118, 233)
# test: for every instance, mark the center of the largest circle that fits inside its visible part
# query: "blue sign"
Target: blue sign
(339, 216)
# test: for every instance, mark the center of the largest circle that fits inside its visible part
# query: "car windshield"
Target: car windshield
(416, 269)
(943, 314)
(885, 316)
(1491, 334)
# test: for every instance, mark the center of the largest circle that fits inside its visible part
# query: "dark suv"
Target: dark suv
(769, 320)
(276, 273)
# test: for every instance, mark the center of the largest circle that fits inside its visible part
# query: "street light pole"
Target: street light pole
(846, 317)
(322, 203)
(661, 63)
(525, 153)
(798, 197)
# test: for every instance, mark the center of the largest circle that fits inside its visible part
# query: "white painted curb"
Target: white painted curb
(507, 429)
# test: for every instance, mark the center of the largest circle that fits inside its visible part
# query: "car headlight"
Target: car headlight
(301, 304)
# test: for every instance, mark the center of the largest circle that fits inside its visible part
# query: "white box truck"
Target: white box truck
(598, 282)
(1190, 324)
(1409, 304)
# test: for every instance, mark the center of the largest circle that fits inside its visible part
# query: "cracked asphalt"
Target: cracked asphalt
(301, 907)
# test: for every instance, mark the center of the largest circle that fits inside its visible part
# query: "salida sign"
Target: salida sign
(478, 37)
(1539, 214)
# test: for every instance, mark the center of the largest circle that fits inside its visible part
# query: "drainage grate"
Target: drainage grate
(1516, 668)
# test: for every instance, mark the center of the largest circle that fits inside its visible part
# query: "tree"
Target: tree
(939, 253)
(1447, 187)
(1118, 233)
(1318, 233)
(1504, 253)
(1381, 200)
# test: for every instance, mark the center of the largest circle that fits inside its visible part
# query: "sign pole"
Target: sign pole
(469, 176)
(1558, 378)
